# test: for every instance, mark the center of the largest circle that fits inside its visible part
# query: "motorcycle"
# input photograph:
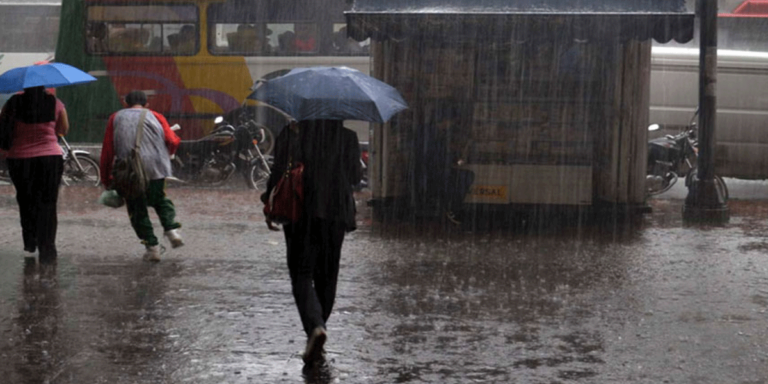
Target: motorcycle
(673, 156)
(213, 159)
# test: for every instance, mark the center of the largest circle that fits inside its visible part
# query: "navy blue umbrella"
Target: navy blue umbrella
(46, 75)
(334, 93)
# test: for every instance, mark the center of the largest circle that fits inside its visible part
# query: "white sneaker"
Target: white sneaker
(152, 253)
(174, 237)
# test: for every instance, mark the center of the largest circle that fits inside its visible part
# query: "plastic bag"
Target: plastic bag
(110, 198)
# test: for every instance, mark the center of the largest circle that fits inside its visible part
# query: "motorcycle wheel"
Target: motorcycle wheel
(722, 188)
(257, 178)
(668, 180)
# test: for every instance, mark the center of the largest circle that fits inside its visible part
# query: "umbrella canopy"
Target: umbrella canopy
(46, 75)
(334, 93)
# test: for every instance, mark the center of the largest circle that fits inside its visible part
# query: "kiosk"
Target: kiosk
(552, 96)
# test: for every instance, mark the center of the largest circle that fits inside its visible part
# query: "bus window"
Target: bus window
(259, 39)
(240, 39)
(148, 29)
(343, 45)
(126, 37)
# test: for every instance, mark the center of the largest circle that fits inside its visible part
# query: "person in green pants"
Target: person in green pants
(157, 143)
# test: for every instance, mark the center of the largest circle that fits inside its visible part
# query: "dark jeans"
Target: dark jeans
(314, 251)
(139, 213)
(37, 180)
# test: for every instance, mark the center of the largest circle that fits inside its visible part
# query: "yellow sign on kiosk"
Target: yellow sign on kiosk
(496, 193)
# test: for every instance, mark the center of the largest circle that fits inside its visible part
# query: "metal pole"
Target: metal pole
(705, 201)
(707, 89)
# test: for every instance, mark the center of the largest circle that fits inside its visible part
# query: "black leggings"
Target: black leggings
(37, 182)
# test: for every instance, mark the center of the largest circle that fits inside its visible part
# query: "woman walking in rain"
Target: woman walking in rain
(35, 164)
(331, 157)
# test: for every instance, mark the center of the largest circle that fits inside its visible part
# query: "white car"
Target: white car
(741, 130)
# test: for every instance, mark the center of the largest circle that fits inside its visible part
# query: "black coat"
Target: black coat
(331, 157)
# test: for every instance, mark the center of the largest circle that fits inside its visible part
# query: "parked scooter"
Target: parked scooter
(213, 159)
(674, 156)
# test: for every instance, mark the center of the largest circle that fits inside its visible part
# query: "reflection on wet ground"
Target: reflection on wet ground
(652, 302)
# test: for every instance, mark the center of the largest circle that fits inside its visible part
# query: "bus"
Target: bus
(196, 59)
(741, 133)
(29, 30)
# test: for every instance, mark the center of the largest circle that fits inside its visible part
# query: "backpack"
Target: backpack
(129, 178)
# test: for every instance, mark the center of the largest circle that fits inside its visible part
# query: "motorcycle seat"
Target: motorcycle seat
(224, 129)
(206, 144)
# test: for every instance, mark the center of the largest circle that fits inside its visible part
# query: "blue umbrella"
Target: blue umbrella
(46, 75)
(334, 93)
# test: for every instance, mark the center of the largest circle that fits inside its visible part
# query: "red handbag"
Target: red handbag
(286, 201)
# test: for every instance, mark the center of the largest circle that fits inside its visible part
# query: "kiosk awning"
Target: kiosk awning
(662, 20)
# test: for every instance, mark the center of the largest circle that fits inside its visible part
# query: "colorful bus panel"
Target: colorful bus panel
(196, 59)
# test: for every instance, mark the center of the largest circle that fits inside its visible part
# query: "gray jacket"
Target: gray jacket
(154, 153)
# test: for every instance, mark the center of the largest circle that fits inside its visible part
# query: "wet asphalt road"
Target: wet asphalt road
(656, 302)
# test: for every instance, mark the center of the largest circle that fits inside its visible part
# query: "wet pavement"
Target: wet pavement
(653, 302)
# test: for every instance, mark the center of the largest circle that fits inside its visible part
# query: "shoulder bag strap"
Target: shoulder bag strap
(140, 129)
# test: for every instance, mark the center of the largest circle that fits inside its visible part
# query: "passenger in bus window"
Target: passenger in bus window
(249, 38)
(187, 39)
(287, 42)
(304, 40)
(127, 39)
(96, 34)
(156, 44)
(344, 45)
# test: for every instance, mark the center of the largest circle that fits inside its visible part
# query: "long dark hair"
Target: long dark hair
(33, 106)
